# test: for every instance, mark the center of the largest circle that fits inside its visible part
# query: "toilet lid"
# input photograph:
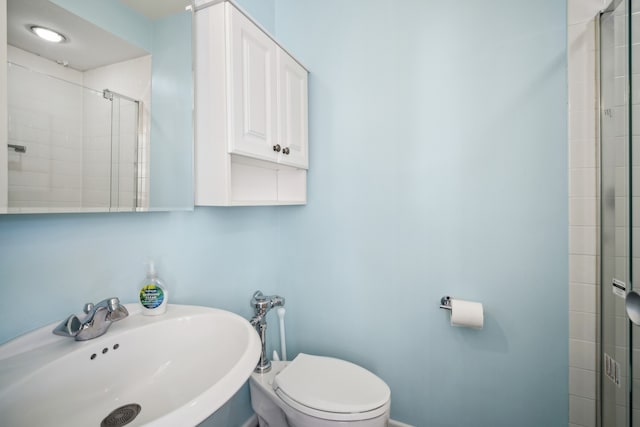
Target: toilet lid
(332, 385)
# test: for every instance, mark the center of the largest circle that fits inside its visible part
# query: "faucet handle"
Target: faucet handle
(88, 307)
(113, 303)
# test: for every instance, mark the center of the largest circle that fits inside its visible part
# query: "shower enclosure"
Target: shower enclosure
(71, 146)
(619, 58)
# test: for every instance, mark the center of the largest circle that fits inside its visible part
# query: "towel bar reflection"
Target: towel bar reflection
(17, 148)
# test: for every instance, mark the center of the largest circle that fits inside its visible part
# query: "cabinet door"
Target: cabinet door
(253, 89)
(292, 111)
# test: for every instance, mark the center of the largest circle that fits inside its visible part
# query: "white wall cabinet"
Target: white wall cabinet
(251, 114)
(292, 111)
(252, 83)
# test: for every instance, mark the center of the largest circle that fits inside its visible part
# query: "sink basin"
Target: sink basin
(175, 369)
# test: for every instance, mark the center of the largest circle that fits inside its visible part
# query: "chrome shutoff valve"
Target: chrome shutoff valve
(261, 305)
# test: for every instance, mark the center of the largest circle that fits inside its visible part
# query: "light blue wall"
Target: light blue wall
(438, 166)
(51, 265)
(172, 118)
(263, 11)
(169, 41)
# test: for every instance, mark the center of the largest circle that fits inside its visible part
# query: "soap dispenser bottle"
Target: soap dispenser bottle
(153, 295)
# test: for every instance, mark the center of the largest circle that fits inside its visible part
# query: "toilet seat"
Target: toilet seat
(332, 389)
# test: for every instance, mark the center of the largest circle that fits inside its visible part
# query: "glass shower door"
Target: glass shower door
(634, 193)
(125, 114)
(615, 328)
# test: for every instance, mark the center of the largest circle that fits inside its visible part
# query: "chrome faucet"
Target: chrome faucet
(261, 305)
(97, 321)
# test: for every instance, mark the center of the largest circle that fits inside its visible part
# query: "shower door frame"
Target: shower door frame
(115, 149)
(603, 198)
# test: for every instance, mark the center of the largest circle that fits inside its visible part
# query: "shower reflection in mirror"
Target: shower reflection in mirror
(82, 146)
(72, 145)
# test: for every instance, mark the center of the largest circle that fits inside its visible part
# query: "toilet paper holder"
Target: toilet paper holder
(445, 302)
(468, 314)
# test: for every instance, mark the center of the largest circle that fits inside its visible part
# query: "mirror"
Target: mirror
(102, 121)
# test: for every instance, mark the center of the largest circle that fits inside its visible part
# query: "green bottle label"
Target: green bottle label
(151, 296)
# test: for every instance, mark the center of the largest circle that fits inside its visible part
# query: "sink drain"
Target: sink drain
(121, 416)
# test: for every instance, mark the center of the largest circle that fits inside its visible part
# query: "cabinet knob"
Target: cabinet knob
(276, 148)
(285, 150)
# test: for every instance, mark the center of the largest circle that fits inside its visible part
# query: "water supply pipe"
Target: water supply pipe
(283, 338)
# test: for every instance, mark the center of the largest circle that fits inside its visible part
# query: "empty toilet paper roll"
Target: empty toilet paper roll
(467, 313)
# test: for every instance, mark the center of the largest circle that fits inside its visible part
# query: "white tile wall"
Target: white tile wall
(44, 116)
(581, 410)
(583, 211)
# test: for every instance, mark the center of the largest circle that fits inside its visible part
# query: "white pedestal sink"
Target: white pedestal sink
(175, 369)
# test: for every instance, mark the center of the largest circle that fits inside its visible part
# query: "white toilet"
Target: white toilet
(316, 391)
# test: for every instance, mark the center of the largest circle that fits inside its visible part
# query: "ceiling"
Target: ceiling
(88, 45)
(156, 9)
